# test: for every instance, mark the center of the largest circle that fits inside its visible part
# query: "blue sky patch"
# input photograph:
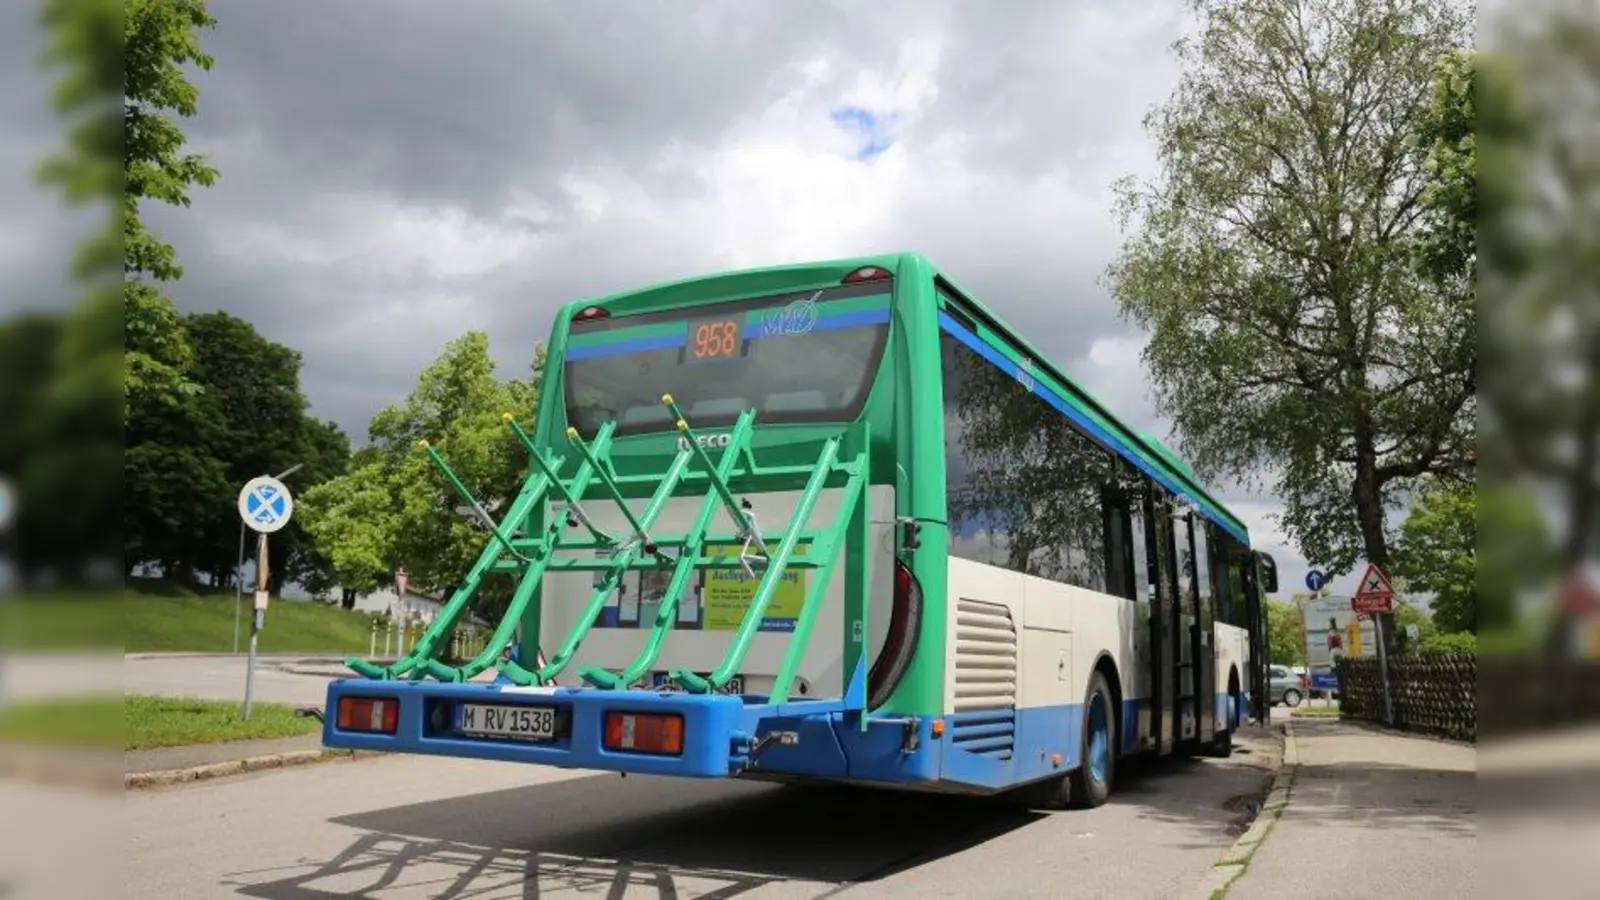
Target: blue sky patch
(874, 133)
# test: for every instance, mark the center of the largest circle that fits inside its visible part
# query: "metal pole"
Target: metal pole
(238, 599)
(1383, 666)
(255, 625)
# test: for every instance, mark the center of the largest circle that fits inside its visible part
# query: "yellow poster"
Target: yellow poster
(729, 592)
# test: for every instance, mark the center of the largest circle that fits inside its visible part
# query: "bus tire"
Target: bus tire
(1221, 746)
(1090, 783)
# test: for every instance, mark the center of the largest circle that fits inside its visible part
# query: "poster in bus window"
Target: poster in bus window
(728, 591)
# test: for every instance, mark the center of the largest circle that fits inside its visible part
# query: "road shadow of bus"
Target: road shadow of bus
(670, 837)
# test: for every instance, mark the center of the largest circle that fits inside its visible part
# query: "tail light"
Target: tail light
(370, 714)
(905, 621)
(644, 733)
(868, 273)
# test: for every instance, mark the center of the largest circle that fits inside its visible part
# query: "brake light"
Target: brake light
(590, 312)
(905, 622)
(370, 714)
(644, 733)
(868, 273)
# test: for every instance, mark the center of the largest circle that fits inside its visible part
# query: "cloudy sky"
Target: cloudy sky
(395, 173)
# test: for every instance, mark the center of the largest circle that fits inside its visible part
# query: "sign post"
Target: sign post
(1375, 597)
(265, 505)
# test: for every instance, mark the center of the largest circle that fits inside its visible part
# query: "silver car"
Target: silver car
(1285, 685)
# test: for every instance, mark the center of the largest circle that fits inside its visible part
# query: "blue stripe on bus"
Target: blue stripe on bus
(1122, 447)
(620, 348)
(671, 341)
(878, 754)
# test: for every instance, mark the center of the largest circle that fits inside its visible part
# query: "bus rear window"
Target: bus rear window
(797, 357)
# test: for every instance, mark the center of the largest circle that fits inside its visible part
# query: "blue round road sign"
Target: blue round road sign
(1315, 580)
(265, 504)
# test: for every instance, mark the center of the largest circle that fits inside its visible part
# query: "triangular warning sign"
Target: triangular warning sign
(1375, 584)
(1375, 594)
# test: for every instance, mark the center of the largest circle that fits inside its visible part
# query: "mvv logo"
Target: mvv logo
(799, 317)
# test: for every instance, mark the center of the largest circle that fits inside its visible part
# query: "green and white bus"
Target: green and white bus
(834, 522)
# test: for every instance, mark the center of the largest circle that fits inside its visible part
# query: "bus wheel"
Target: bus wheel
(1091, 782)
(1221, 746)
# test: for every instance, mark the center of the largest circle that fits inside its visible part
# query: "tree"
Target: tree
(1540, 241)
(1448, 247)
(1285, 634)
(1436, 555)
(392, 509)
(1292, 335)
(159, 39)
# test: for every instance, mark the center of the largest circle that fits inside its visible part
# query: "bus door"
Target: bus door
(1185, 624)
(1204, 635)
(1164, 675)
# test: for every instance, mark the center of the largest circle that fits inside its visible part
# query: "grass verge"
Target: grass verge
(182, 721)
(145, 723)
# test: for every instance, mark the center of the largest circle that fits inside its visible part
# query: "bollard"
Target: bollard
(372, 646)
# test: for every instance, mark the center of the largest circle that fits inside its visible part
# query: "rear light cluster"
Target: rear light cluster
(905, 621)
(865, 273)
(644, 733)
(868, 273)
(369, 714)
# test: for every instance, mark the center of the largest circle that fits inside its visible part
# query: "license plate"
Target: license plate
(529, 723)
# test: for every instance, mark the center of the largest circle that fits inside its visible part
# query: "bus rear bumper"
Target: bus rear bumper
(703, 734)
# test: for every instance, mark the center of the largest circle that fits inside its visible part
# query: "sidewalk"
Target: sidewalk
(1371, 813)
(166, 759)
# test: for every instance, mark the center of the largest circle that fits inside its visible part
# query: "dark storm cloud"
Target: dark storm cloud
(461, 104)
(483, 106)
(38, 232)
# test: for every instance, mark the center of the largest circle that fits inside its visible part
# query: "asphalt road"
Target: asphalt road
(398, 827)
(222, 678)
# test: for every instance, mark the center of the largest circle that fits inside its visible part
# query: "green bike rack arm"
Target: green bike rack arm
(521, 675)
(719, 484)
(855, 493)
(567, 494)
(524, 592)
(693, 683)
(466, 495)
(639, 530)
(667, 612)
(533, 492)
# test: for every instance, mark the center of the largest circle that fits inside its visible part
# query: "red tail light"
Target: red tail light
(370, 714)
(868, 273)
(644, 733)
(589, 313)
(905, 621)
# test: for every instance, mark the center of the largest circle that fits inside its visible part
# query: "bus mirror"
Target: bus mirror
(1269, 573)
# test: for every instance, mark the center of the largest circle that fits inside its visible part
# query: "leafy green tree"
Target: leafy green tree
(1540, 246)
(392, 509)
(1285, 633)
(1449, 247)
(1437, 555)
(1292, 335)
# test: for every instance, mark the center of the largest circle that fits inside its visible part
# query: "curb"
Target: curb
(1236, 858)
(211, 771)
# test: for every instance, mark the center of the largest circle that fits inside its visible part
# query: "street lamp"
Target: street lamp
(238, 568)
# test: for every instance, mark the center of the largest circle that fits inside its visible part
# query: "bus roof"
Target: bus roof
(745, 282)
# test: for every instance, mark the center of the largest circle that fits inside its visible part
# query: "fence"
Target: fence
(1441, 694)
(1436, 694)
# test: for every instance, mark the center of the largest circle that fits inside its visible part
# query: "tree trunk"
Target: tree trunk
(1367, 494)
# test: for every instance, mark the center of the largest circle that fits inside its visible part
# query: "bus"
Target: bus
(834, 522)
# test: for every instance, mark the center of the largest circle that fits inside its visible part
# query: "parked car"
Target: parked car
(1285, 685)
